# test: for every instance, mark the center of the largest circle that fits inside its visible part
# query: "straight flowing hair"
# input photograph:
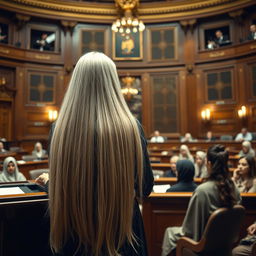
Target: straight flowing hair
(95, 160)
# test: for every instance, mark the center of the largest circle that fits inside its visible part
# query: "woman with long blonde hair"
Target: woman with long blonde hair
(98, 166)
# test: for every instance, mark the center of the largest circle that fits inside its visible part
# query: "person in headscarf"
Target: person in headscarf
(186, 172)
(38, 151)
(185, 153)
(200, 165)
(10, 171)
(247, 149)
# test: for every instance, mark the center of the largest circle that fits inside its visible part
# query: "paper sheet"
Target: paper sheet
(160, 188)
(11, 191)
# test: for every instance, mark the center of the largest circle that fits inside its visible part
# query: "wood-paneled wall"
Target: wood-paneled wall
(188, 64)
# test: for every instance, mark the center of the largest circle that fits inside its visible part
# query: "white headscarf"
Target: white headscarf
(189, 156)
(201, 171)
(10, 177)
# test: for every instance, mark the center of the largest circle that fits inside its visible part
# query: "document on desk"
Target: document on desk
(11, 191)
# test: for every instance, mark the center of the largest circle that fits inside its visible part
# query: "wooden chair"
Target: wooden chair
(253, 249)
(221, 232)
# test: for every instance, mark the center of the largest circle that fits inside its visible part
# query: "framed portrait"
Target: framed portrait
(127, 47)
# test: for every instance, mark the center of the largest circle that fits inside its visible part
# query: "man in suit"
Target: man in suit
(221, 39)
(252, 34)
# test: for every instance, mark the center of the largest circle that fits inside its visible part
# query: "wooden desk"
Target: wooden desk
(32, 165)
(24, 223)
(202, 145)
(168, 209)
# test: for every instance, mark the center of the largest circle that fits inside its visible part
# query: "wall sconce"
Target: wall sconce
(2, 81)
(206, 114)
(52, 115)
(242, 112)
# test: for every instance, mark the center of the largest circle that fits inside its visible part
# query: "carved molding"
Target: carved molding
(188, 25)
(68, 26)
(107, 11)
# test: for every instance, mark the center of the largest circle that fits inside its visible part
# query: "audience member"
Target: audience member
(211, 45)
(209, 136)
(244, 175)
(245, 246)
(243, 135)
(221, 39)
(157, 138)
(186, 173)
(2, 150)
(200, 165)
(252, 34)
(10, 171)
(187, 138)
(218, 191)
(185, 153)
(97, 173)
(3, 38)
(44, 43)
(38, 151)
(247, 149)
(173, 172)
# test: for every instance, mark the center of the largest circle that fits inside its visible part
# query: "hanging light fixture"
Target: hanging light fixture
(128, 91)
(128, 21)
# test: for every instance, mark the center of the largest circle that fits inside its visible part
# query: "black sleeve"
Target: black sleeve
(148, 178)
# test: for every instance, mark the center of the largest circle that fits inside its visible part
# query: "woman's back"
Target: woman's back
(97, 155)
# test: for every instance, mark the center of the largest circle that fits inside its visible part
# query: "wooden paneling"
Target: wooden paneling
(168, 210)
(181, 43)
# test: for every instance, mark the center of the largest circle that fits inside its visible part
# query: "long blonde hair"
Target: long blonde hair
(95, 149)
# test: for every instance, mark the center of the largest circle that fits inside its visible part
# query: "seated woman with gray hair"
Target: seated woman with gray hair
(247, 149)
(10, 171)
(185, 153)
(200, 165)
(38, 151)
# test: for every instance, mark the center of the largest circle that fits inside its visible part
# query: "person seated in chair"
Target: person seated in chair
(247, 149)
(157, 138)
(220, 39)
(3, 37)
(185, 153)
(186, 173)
(44, 44)
(243, 135)
(252, 34)
(245, 246)
(217, 192)
(10, 171)
(173, 171)
(187, 138)
(200, 165)
(244, 176)
(2, 149)
(38, 151)
(210, 137)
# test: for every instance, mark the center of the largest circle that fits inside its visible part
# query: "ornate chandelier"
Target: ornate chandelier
(128, 21)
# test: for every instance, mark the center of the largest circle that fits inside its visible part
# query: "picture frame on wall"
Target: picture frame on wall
(127, 47)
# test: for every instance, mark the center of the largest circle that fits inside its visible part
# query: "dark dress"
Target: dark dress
(138, 227)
